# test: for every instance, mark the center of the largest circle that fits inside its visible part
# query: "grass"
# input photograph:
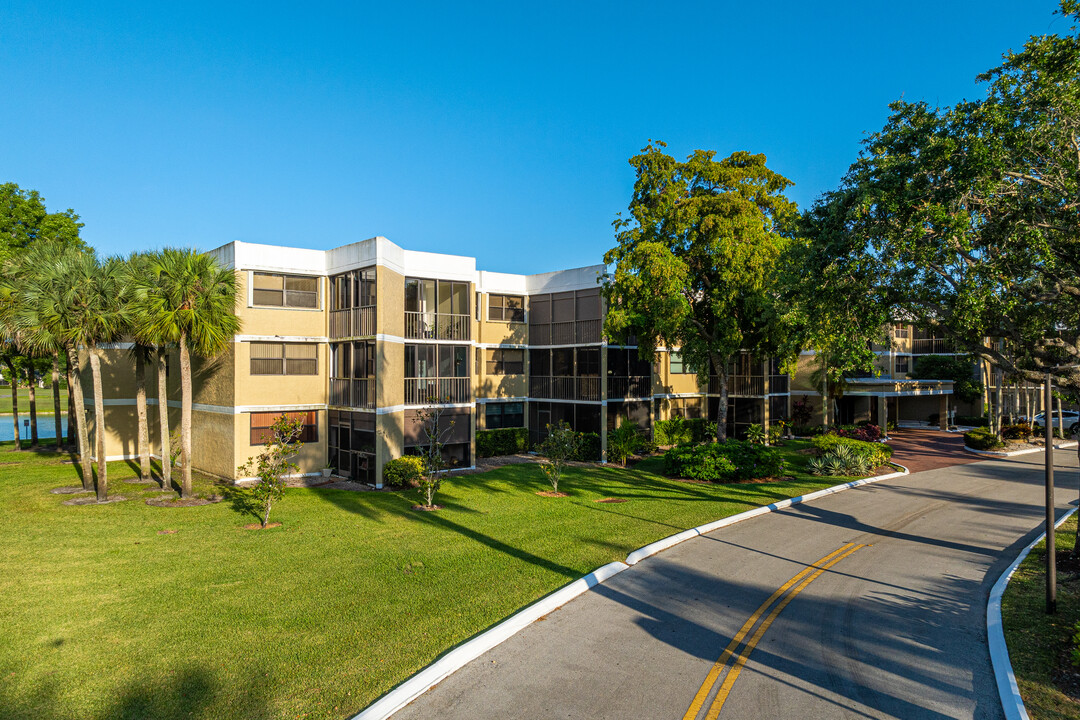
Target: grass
(43, 397)
(1038, 643)
(104, 616)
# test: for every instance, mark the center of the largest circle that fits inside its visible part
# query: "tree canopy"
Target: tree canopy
(695, 264)
(24, 221)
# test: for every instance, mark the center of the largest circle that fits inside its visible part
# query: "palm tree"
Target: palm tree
(135, 270)
(190, 300)
(49, 310)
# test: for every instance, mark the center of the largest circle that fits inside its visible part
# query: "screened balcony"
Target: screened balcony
(437, 310)
(352, 304)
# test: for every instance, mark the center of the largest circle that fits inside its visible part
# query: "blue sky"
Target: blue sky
(498, 130)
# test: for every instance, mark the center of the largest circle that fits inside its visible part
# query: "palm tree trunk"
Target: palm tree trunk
(58, 419)
(99, 427)
(163, 420)
(140, 404)
(721, 369)
(31, 395)
(73, 427)
(75, 390)
(999, 410)
(185, 416)
(14, 376)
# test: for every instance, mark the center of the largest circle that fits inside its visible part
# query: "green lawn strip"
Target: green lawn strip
(103, 617)
(43, 398)
(1037, 641)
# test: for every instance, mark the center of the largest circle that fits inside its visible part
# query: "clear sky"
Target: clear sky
(499, 130)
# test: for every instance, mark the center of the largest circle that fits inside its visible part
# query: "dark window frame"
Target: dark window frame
(283, 359)
(258, 433)
(288, 296)
(497, 364)
(499, 309)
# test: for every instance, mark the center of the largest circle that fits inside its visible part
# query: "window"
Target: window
(284, 359)
(429, 361)
(505, 362)
(290, 291)
(678, 367)
(506, 308)
(900, 330)
(262, 422)
(903, 365)
(504, 415)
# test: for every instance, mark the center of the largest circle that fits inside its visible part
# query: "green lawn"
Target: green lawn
(103, 616)
(1039, 643)
(44, 400)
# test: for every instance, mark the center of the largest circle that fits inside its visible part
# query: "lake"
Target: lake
(46, 427)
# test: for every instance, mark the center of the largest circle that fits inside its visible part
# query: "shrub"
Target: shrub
(842, 460)
(801, 411)
(682, 431)
(866, 433)
(874, 453)
(274, 463)
(1018, 431)
(971, 420)
(755, 434)
(724, 462)
(775, 433)
(627, 440)
(588, 449)
(808, 430)
(982, 439)
(504, 441)
(404, 471)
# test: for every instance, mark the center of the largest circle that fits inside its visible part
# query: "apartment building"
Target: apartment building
(357, 341)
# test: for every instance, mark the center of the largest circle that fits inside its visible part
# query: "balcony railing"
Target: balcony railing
(357, 393)
(564, 388)
(633, 386)
(931, 346)
(739, 385)
(352, 322)
(434, 391)
(436, 326)
(574, 332)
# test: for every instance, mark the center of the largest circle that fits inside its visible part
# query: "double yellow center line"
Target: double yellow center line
(787, 592)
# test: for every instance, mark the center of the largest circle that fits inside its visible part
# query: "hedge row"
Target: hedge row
(683, 431)
(505, 441)
(982, 439)
(725, 462)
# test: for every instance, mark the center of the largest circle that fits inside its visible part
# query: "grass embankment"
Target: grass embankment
(43, 397)
(1038, 643)
(105, 615)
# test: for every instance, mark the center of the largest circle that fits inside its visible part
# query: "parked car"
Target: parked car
(1071, 418)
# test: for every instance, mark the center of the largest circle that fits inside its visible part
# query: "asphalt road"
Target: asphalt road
(893, 628)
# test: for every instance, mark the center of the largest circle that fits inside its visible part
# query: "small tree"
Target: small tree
(274, 463)
(435, 431)
(558, 448)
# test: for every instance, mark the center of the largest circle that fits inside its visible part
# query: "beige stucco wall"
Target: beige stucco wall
(390, 305)
(280, 321)
(310, 459)
(276, 389)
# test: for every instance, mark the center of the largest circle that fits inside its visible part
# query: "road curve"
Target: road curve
(894, 628)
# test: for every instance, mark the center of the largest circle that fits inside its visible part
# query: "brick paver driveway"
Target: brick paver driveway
(920, 449)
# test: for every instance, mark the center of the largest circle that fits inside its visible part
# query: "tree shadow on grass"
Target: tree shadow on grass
(239, 498)
(182, 695)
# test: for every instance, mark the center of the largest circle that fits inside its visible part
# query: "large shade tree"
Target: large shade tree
(972, 213)
(188, 299)
(695, 266)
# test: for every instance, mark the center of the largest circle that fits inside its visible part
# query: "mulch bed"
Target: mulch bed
(427, 508)
(94, 501)
(77, 490)
(610, 500)
(552, 493)
(166, 532)
(183, 502)
(259, 526)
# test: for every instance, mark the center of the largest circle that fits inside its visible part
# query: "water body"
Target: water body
(45, 425)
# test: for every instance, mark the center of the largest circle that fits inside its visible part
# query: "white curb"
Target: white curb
(457, 658)
(653, 548)
(1013, 453)
(1011, 702)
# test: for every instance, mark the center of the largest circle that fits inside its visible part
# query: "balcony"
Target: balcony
(358, 393)
(779, 384)
(352, 323)
(437, 391)
(633, 386)
(436, 326)
(573, 332)
(931, 346)
(743, 385)
(565, 388)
